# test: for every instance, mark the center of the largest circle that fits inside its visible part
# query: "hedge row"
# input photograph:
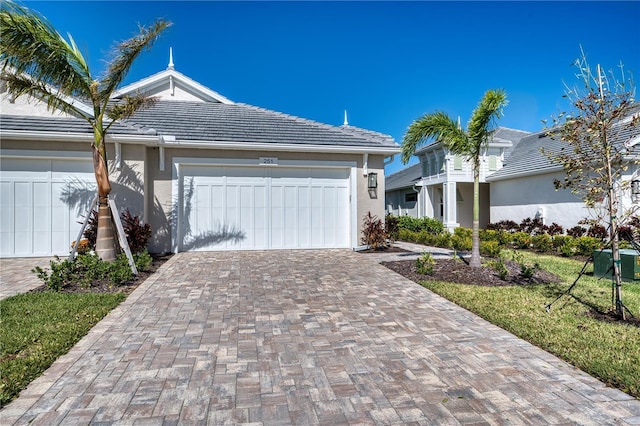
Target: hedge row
(492, 242)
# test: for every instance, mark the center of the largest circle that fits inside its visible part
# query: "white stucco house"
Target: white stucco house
(516, 182)
(524, 186)
(207, 173)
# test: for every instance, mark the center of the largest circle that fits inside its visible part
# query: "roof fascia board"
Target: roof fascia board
(161, 77)
(153, 140)
(541, 171)
(73, 137)
(248, 146)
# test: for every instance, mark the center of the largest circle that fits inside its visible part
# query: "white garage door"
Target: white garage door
(41, 202)
(247, 208)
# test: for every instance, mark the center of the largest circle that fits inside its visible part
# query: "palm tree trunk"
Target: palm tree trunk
(475, 228)
(105, 240)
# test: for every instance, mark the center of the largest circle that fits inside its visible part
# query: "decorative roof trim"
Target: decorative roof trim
(162, 77)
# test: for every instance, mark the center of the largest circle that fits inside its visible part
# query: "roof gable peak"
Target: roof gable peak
(172, 85)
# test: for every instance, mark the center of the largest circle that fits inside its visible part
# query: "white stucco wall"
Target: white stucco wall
(535, 196)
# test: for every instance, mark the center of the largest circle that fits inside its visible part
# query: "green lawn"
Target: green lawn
(608, 351)
(37, 328)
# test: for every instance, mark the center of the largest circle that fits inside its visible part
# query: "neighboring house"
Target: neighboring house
(401, 196)
(524, 188)
(516, 182)
(443, 182)
(206, 173)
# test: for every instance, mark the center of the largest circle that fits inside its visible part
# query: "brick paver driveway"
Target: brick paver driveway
(305, 337)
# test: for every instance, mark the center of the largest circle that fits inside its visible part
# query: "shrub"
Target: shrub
(489, 235)
(138, 233)
(568, 247)
(499, 266)
(555, 229)
(409, 223)
(490, 248)
(504, 225)
(597, 231)
(462, 239)
(527, 269)
(142, 260)
(532, 226)
(433, 226)
(88, 268)
(559, 240)
(91, 230)
(119, 271)
(407, 235)
(391, 226)
(521, 240)
(61, 273)
(374, 235)
(443, 240)
(424, 264)
(586, 245)
(576, 231)
(542, 243)
(631, 231)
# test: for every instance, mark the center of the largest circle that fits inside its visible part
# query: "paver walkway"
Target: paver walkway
(16, 276)
(305, 337)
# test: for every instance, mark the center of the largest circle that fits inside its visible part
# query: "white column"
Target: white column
(450, 205)
(429, 210)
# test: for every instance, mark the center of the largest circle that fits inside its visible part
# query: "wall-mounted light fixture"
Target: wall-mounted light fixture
(635, 191)
(372, 179)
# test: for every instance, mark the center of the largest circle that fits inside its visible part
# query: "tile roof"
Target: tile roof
(69, 125)
(501, 135)
(404, 178)
(242, 123)
(205, 121)
(526, 158)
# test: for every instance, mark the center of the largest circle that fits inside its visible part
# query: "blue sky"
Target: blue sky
(386, 63)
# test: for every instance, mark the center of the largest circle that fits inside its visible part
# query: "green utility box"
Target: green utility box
(629, 264)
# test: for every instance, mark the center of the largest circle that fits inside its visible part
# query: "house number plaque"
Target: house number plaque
(268, 161)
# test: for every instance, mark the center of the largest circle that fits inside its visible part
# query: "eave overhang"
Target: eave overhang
(170, 142)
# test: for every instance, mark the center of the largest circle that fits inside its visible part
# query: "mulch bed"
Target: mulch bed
(460, 272)
(103, 286)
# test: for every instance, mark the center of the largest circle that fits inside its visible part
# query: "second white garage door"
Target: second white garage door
(42, 203)
(255, 208)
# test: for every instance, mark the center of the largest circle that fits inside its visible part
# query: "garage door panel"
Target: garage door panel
(60, 169)
(39, 211)
(273, 207)
(21, 167)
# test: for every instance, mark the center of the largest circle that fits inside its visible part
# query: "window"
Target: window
(493, 162)
(457, 162)
(411, 197)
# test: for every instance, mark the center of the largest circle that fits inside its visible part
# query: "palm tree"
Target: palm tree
(39, 62)
(469, 144)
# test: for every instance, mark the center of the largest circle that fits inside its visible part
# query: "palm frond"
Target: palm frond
(482, 123)
(437, 125)
(30, 45)
(127, 52)
(22, 85)
(128, 106)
